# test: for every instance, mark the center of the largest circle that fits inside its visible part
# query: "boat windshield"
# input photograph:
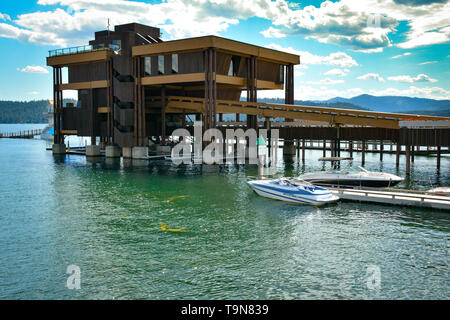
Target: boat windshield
(350, 170)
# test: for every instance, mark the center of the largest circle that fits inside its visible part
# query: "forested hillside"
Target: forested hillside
(23, 111)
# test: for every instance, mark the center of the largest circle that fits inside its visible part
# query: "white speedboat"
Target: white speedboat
(295, 191)
(353, 177)
(441, 191)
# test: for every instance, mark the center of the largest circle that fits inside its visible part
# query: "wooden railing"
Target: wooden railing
(262, 110)
(25, 134)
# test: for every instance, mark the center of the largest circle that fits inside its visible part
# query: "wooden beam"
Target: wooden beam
(173, 78)
(84, 85)
(103, 110)
(219, 43)
(69, 132)
(79, 58)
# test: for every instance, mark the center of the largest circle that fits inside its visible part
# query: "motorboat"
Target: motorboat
(293, 190)
(352, 176)
(441, 191)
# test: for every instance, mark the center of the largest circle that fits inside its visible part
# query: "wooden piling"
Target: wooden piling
(303, 150)
(363, 152)
(438, 158)
(397, 155)
(381, 150)
(408, 159)
(324, 148)
(350, 146)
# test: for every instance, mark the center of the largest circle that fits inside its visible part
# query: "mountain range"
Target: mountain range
(33, 111)
(397, 104)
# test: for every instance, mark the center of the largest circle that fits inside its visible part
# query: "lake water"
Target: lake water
(104, 217)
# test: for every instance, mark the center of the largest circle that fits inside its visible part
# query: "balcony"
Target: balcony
(82, 49)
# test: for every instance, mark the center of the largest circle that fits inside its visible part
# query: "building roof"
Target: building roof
(222, 44)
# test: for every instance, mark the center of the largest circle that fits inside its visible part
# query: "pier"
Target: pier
(393, 197)
(25, 134)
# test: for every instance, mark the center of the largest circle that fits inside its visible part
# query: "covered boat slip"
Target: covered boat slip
(132, 87)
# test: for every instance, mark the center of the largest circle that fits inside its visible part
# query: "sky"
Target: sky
(346, 47)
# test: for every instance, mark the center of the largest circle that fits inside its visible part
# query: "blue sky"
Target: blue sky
(347, 47)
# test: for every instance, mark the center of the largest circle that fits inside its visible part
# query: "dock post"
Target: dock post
(438, 157)
(350, 147)
(324, 148)
(363, 152)
(412, 153)
(332, 141)
(397, 155)
(303, 150)
(408, 159)
(381, 150)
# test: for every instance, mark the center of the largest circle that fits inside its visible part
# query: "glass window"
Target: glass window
(174, 63)
(147, 66)
(160, 64)
(234, 66)
(116, 44)
(230, 69)
(281, 78)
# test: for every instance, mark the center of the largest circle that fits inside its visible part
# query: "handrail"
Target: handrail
(79, 49)
(260, 107)
(313, 109)
(393, 195)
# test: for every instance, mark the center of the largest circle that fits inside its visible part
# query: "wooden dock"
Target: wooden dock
(26, 134)
(393, 197)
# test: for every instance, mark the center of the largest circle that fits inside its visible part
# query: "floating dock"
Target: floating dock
(393, 197)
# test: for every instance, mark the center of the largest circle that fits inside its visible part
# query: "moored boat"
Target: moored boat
(441, 191)
(353, 177)
(295, 191)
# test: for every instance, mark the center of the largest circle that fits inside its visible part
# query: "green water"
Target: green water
(105, 218)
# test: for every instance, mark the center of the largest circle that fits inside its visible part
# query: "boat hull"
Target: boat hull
(292, 198)
(352, 182)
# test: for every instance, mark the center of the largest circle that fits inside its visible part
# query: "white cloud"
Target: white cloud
(4, 16)
(366, 25)
(408, 79)
(401, 55)
(371, 76)
(345, 22)
(33, 93)
(273, 33)
(361, 25)
(33, 69)
(326, 81)
(427, 62)
(337, 72)
(339, 59)
(427, 92)
(425, 38)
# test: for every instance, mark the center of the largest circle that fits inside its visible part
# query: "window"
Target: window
(147, 66)
(174, 63)
(98, 46)
(281, 77)
(116, 45)
(160, 64)
(234, 66)
(230, 69)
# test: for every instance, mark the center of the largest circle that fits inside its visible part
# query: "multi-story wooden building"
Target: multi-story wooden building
(127, 81)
